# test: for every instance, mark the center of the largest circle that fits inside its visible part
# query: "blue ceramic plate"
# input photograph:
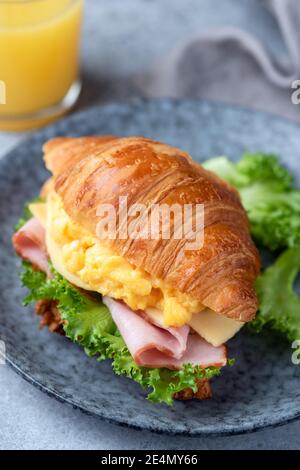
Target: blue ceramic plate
(262, 389)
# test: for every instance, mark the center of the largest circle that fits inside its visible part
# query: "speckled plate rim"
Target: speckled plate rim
(240, 429)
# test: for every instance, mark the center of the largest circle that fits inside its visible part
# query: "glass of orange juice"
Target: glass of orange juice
(39, 49)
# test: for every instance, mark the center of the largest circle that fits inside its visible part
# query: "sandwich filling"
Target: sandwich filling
(91, 265)
(98, 268)
(159, 327)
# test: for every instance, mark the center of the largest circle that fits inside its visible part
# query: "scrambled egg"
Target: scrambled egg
(97, 267)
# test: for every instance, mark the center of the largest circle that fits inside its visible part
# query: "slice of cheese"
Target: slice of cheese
(39, 211)
(214, 328)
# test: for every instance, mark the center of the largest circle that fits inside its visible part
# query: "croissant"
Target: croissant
(167, 305)
(92, 171)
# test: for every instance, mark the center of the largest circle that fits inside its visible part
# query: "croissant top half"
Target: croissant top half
(90, 171)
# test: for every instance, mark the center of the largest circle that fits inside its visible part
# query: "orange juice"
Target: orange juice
(39, 41)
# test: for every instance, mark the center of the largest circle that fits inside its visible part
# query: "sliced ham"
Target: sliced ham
(180, 334)
(152, 346)
(141, 336)
(29, 243)
(198, 352)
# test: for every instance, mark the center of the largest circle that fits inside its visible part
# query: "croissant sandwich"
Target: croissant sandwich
(142, 256)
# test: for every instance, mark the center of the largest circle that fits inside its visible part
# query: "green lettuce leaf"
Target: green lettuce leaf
(87, 321)
(268, 194)
(273, 204)
(279, 303)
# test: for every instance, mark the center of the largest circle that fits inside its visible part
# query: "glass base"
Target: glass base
(41, 118)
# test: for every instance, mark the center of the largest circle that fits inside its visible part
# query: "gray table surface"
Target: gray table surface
(120, 39)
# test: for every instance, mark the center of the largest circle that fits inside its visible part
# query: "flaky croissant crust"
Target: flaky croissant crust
(89, 171)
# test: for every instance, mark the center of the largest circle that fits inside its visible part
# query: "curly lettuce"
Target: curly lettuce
(87, 321)
(272, 201)
(279, 303)
(268, 194)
